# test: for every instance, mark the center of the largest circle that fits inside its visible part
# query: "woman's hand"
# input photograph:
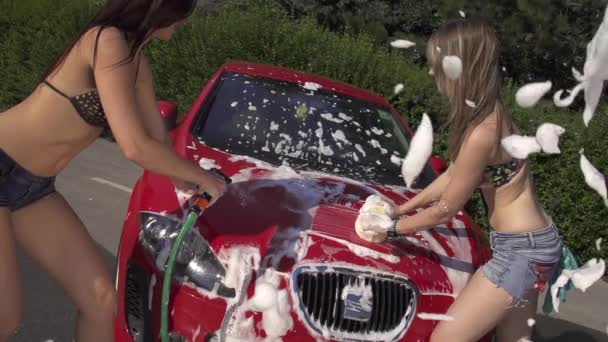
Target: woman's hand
(185, 186)
(395, 211)
(212, 184)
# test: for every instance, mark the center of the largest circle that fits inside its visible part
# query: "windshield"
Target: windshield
(306, 127)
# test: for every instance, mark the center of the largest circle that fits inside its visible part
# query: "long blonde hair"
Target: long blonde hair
(475, 42)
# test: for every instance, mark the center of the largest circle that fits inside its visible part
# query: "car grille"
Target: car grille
(319, 290)
(136, 303)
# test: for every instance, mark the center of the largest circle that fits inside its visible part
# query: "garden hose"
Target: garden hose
(200, 203)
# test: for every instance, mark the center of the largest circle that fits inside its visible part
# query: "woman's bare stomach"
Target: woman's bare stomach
(43, 142)
(516, 213)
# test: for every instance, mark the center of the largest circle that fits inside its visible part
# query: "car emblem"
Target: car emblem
(358, 301)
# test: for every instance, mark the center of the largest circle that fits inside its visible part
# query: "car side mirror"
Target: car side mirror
(168, 111)
(438, 164)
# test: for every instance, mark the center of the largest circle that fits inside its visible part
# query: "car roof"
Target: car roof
(290, 75)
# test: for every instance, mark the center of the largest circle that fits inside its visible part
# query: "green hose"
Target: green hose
(164, 316)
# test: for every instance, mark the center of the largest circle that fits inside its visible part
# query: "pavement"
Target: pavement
(97, 184)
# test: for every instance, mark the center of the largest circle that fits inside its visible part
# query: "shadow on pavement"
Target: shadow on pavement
(548, 329)
(47, 312)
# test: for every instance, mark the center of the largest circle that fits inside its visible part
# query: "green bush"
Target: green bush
(541, 39)
(31, 33)
(260, 32)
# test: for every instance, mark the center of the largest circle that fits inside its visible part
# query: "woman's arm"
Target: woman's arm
(466, 174)
(146, 100)
(152, 119)
(426, 196)
(115, 84)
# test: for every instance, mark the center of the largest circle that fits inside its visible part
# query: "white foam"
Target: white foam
(240, 261)
(330, 117)
(421, 148)
(598, 244)
(435, 317)
(273, 303)
(528, 95)
(182, 196)
(519, 146)
(339, 136)
(192, 146)
(266, 148)
(375, 204)
(208, 164)
(357, 249)
(287, 140)
(547, 136)
(234, 104)
(360, 149)
(196, 332)
(594, 178)
(398, 88)
(344, 117)
(364, 292)
(377, 131)
(396, 160)
(452, 67)
(311, 86)
(376, 144)
(274, 126)
(402, 44)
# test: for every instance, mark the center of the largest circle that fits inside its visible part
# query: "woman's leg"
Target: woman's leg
(477, 310)
(514, 326)
(51, 232)
(10, 287)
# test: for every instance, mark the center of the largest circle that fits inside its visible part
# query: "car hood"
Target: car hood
(299, 217)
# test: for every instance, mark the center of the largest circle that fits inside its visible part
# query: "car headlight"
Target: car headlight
(195, 259)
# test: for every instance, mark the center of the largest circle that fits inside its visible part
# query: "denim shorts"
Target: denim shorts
(524, 261)
(18, 187)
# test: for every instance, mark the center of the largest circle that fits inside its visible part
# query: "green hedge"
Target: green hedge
(31, 33)
(257, 31)
(541, 39)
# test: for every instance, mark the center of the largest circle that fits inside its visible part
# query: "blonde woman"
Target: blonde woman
(526, 244)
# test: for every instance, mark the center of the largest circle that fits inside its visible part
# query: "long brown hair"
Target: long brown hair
(137, 19)
(475, 42)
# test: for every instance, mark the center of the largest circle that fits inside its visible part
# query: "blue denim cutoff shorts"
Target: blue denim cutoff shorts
(523, 261)
(18, 187)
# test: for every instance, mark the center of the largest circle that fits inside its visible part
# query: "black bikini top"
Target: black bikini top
(88, 106)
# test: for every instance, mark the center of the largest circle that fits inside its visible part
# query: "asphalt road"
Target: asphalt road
(97, 185)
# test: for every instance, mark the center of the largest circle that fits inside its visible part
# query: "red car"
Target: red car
(277, 256)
